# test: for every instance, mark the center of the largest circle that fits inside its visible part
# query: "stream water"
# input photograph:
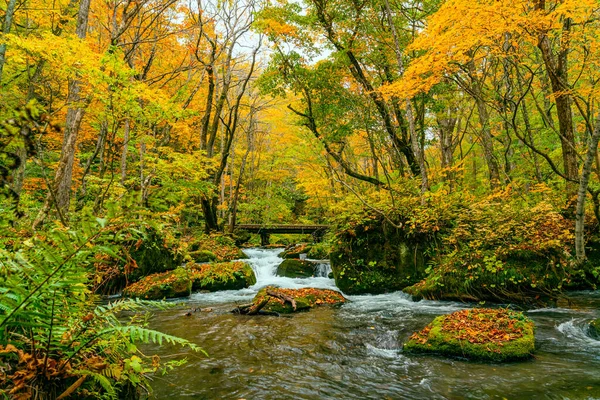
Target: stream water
(355, 351)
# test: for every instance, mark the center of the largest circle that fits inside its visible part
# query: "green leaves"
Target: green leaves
(45, 299)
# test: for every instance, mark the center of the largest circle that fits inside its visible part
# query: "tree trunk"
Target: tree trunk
(208, 108)
(8, 17)
(124, 151)
(582, 192)
(236, 193)
(446, 126)
(557, 71)
(210, 215)
(60, 194)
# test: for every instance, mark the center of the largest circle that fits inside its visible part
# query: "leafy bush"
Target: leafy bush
(55, 340)
(505, 249)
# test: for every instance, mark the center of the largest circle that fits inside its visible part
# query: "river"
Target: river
(355, 351)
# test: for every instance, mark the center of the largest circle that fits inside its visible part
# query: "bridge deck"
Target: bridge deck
(257, 228)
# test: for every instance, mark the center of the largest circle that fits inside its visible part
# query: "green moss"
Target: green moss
(222, 247)
(152, 255)
(504, 250)
(374, 257)
(201, 256)
(221, 276)
(319, 251)
(168, 285)
(305, 299)
(477, 334)
(292, 268)
(296, 251)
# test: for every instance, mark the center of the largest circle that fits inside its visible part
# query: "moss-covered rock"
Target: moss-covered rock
(594, 328)
(222, 247)
(221, 276)
(319, 251)
(292, 268)
(477, 334)
(296, 250)
(167, 285)
(152, 255)
(507, 251)
(202, 256)
(305, 299)
(375, 257)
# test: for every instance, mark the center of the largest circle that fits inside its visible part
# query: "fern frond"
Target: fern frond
(145, 335)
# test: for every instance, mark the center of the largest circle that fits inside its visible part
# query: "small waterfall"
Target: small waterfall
(264, 262)
(323, 270)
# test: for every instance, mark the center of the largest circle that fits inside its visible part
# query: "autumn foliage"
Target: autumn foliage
(478, 333)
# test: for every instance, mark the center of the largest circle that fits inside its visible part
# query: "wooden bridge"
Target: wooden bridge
(317, 231)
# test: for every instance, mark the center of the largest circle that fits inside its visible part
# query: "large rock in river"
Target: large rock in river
(165, 285)
(477, 334)
(221, 276)
(375, 257)
(273, 300)
(292, 268)
(296, 251)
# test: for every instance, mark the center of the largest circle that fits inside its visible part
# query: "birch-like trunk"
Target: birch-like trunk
(582, 192)
(8, 17)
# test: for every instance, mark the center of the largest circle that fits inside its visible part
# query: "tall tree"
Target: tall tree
(60, 194)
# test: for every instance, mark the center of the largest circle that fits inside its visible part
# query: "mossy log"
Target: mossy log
(272, 301)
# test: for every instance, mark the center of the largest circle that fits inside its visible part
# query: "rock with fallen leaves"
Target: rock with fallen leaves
(477, 334)
(273, 300)
(166, 285)
(296, 250)
(221, 276)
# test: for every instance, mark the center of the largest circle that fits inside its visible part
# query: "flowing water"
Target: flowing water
(355, 351)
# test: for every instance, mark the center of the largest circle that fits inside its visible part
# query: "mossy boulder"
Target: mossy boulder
(375, 257)
(152, 254)
(167, 285)
(319, 251)
(221, 276)
(594, 328)
(305, 299)
(477, 334)
(296, 250)
(202, 256)
(505, 250)
(223, 248)
(292, 268)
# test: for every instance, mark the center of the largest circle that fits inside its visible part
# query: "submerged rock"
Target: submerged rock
(477, 334)
(167, 285)
(221, 276)
(292, 268)
(273, 300)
